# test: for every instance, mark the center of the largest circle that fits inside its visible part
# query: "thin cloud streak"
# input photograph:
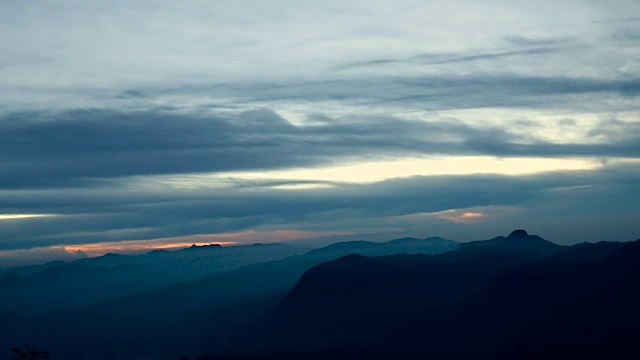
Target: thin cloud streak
(22, 216)
(452, 57)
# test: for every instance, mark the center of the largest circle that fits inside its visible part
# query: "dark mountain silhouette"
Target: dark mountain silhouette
(585, 252)
(197, 315)
(191, 259)
(518, 246)
(518, 296)
(513, 297)
(433, 245)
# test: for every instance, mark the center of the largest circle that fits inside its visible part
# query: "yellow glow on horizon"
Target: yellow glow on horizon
(22, 216)
(98, 249)
(224, 239)
(382, 170)
(301, 186)
(373, 171)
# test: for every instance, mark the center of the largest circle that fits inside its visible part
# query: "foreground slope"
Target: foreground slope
(514, 297)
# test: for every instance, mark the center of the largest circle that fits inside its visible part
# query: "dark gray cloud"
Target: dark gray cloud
(628, 34)
(524, 41)
(64, 149)
(437, 92)
(507, 90)
(133, 94)
(568, 122)
(79, 148)
(618, 20)
(490, 145)
(54, 149)
(450, 58)
(616, 129)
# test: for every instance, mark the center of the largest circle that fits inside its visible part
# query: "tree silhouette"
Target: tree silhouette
(30, 354)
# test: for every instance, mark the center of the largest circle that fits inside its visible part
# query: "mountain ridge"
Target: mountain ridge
(277, 307)
(511, 300)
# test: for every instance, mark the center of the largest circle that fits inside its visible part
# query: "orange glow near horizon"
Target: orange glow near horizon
(456, 217)
(368, 172)
(471, 215)
(99, 249)
(224, 239)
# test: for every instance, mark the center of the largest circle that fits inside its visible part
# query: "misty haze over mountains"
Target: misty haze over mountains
(337, 135)
(91, 280)
(518, 296)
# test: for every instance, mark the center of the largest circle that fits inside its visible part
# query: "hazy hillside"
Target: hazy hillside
(429, 246)
(504, 298)
(518, 296)
(56, 285)
(188, 315)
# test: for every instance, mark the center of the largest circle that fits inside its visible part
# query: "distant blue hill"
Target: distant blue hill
(33, 289)
(36, 289)
(429, 246)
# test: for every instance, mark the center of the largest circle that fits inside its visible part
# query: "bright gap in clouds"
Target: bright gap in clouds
(377, 171)
(22, 216)
(368, 172)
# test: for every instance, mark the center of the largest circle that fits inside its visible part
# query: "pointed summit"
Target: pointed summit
(516, 234)
(519, 244)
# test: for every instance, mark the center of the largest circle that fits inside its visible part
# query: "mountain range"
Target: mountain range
(37, 289)
(518, 296)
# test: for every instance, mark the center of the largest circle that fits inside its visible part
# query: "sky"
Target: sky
(129, 126)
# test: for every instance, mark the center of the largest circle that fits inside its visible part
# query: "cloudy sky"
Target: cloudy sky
(127, 126)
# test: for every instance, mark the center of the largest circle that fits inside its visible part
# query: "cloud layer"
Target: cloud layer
(73, 148)
(144, 121)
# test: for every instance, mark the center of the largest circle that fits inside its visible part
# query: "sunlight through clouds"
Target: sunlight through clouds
(368, 172)
(22, 216)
